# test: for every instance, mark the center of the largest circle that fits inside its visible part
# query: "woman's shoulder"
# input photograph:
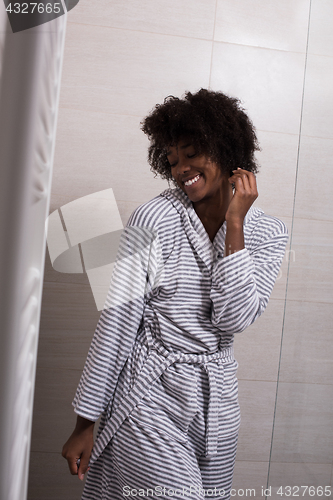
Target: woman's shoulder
(257, 217)
(154, 213)
(260, 226)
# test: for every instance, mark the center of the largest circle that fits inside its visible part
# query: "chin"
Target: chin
(194, 198)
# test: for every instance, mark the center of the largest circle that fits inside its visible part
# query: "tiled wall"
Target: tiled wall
(121, 58)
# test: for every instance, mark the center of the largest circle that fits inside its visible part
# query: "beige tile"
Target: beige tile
(63, 349)
(96, 151)
(303, 424)
(277, 175)
(311, 268)
(256, 401)
(320, 33)
(170, 17)
(68, 306)
(257, 349)
(314, 179)
(279, 25)
(288, 478)
(54, 418)
(317, 117)
(269, 82)
(49, 478)
(249, 475)
(128, 72)
(279, 290)
(307, 349)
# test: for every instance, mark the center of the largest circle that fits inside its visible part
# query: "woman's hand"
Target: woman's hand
(244, 195)
(79, 446)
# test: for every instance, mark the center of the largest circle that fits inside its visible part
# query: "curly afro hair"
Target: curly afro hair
(216, 124)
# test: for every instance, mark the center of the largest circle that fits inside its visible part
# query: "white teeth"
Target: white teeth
(191, 181)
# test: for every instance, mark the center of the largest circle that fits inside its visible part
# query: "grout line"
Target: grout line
(48, 282)
(211, 57)
(284, 382)
(286, 462)
(100, 111)
(262, 48)
(158, 33)
(290, 245)
(82, 260)
(62, 220)
(111, 113)
(64, 227)
(196, 38)
(101, 87)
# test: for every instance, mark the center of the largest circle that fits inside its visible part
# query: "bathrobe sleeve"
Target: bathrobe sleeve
(243, 281)
(119, 321)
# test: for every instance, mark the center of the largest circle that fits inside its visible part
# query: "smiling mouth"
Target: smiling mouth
(192, 181)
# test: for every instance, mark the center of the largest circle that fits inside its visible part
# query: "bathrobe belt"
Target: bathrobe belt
(158, 360)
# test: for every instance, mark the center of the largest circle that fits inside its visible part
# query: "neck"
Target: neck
(212, 211)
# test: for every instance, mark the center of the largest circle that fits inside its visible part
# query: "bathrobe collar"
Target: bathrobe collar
(195, 231)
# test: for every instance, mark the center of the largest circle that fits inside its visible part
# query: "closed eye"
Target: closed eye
(188, 156)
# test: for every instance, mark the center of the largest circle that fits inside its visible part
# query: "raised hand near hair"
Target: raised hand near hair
(78, 447)
(245, 194)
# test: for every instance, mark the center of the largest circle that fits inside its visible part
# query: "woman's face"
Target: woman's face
(199, 177)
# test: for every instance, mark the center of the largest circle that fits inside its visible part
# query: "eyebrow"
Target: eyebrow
(181, 147)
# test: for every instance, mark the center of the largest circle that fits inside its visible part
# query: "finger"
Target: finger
(251, 177)
(246, 182)
(72, 464)
(253, 182)
(83, 467)
(236, 174)
(237, 179)
(249, 180)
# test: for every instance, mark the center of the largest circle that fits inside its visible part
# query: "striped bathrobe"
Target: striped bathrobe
(161, 370)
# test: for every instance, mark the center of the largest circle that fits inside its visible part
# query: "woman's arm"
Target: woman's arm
(117, 327)
(243, 279)
(113, 339)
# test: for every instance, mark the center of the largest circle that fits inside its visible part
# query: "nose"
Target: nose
(183, 165)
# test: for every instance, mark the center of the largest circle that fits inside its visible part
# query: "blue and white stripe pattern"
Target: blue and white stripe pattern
(160, 369)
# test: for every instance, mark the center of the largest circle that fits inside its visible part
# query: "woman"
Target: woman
(196, 265)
